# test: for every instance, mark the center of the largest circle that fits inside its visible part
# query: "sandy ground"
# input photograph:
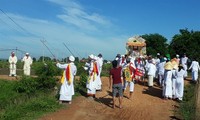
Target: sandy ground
(146, 104)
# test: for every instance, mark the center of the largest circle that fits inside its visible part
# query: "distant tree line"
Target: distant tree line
(185, 42)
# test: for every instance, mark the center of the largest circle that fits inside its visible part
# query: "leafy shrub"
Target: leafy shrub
(106, 69)
(46, 75)
(31, 109)
(27, 85)
(80, 85)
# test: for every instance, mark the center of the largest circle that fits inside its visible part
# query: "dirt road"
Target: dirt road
(146, 104)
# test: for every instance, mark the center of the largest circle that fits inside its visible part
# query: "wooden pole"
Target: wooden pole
(197, 114)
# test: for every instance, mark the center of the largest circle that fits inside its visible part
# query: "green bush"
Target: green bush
(31, 109)
(187, 106)
(26, 85)
(106, 69)
(46, 75)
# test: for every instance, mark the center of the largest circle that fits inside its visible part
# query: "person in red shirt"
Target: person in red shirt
(116, 82)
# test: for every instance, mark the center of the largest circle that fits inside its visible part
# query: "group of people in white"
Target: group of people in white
(27, 60)
(93, 67)
(169, 73)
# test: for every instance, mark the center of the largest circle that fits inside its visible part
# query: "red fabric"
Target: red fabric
(116, 75)
(123, 59)
(95, 69)
(67, 73)
(138, 73)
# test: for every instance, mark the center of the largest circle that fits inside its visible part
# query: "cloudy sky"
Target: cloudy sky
(89, 26)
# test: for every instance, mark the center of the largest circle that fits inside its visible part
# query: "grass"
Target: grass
(20, 106)
(187, 106)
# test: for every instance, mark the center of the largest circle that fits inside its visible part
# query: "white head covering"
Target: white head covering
(91, 56)
(95, 57)
(27, 53)
(71, 58)
(12, 52)
(177, 55)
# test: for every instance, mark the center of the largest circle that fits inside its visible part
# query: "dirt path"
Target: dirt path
(146, 104)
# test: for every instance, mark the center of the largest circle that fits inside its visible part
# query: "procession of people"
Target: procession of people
(127, 70)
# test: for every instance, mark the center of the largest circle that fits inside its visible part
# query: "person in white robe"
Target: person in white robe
(67, 87)
(175, 68)
(195, 69)
(151, 72)
(161, 71)
(167, 88)
(179, 83)
(100, 65)
(27, 64)
(92, 70)
(184, 61)
(157, 61)
(13, 61)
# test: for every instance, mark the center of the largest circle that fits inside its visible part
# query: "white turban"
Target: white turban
(71, 58)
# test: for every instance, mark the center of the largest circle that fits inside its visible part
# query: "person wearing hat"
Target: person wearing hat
(13, 61)
(27, 64)
(67, 80)
(195, 69)
(179, 85)
(167, 88)
(92, 70)
(175, 68)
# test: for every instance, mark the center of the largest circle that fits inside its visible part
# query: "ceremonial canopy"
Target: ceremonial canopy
(136, 46)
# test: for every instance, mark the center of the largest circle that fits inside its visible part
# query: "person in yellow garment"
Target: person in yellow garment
(92, 70)
(13, 61)
(67, 80)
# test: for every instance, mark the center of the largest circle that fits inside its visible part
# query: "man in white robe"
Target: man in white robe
(13, 61)
(167, 88)
(27, 64)
(100, 65)
(67, 87)
(195, 68)
(179, 89)
(92, 70)
(151, 72)
(184, 60)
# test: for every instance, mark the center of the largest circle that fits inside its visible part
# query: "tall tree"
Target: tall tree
(156, 43)
(186, 42)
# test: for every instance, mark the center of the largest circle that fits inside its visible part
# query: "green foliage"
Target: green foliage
(31, 109)
(106, 69)
(46, 75)
(187, 107)
(186, 42)
(27, 85)
(80, 85)
(7, 94)
(156, 43)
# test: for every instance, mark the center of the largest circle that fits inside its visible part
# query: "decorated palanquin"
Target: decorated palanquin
(136, 46)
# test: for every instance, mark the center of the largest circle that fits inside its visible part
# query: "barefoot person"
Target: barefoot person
(116, 81)
(12, 61)
(67, 87)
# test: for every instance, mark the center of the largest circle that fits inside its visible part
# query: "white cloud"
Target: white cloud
(55, 34)
(75, 14)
